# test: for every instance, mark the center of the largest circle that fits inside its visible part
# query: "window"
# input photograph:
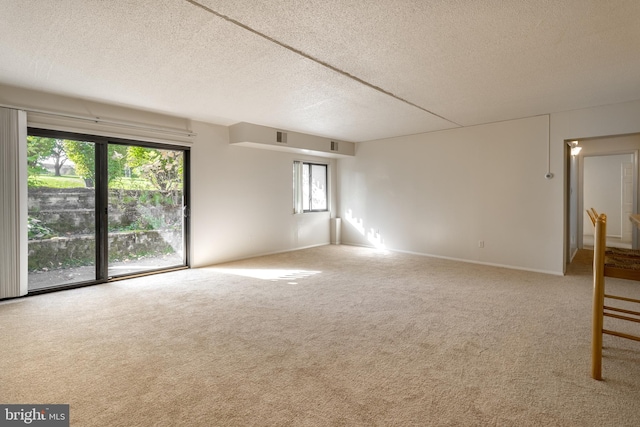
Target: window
(309, 187)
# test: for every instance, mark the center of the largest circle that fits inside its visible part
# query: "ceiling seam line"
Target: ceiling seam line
(316, 60)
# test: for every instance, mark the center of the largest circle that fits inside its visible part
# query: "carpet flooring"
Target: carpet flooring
(327, 336)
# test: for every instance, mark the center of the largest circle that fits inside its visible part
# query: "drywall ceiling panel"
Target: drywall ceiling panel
(172, 57)
(352, 70)
(469, 61)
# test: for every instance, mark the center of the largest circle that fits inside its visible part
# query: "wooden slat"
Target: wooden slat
(599, 244)
(617, 316)
(622, 273)
(622, 298)
(621, 335)
(622, 310)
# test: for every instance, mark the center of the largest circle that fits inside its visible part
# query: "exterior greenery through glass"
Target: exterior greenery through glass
(102, 208)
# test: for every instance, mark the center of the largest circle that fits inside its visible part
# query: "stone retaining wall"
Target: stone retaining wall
(72, 210)
(141, 223)
(79, 250)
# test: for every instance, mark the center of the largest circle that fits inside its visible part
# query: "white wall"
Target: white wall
(602, 189)
(441, 193)
(241, 197)
(242, 200)
(437, 193)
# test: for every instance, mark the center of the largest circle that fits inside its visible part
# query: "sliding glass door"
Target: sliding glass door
(61, 211)
(146, 209)
(101, 208)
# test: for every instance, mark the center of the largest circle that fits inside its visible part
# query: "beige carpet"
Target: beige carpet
(329, 336)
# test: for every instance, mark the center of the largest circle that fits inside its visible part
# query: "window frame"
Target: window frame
(298, 186)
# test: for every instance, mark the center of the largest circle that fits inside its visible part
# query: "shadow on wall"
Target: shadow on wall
(373, 235)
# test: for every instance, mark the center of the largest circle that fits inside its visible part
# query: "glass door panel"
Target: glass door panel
(145, 209)
(318, 187)
(61, 212)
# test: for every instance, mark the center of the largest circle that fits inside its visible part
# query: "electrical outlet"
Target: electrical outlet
(481, 243)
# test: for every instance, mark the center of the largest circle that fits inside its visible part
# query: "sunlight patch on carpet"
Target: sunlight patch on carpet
(272, 274)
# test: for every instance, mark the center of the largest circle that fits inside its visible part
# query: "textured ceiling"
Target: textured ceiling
(354, 70)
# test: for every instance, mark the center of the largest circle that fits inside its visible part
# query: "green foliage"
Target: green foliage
(83, 154)
(150, 168)
(33, 180)
(50, 181)
(75, 181)
(142, 254)
(38, 149)
(151, 198)
(164, 168)
(151, 213)
(41, 148)
(129, 183)
(37, 230)
(117, 155)
(59, 155)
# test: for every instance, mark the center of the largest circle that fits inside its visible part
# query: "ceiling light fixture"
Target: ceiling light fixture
(575, 150)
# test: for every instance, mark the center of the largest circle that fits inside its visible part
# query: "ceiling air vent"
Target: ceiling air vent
(334, 146)
(281, 137)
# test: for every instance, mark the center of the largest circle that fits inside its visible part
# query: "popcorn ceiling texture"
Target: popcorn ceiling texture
(467, 62)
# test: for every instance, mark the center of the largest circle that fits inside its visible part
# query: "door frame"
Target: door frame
(102, 200)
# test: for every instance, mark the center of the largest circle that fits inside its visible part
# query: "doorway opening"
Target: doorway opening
(608, 187)
(603, 176)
